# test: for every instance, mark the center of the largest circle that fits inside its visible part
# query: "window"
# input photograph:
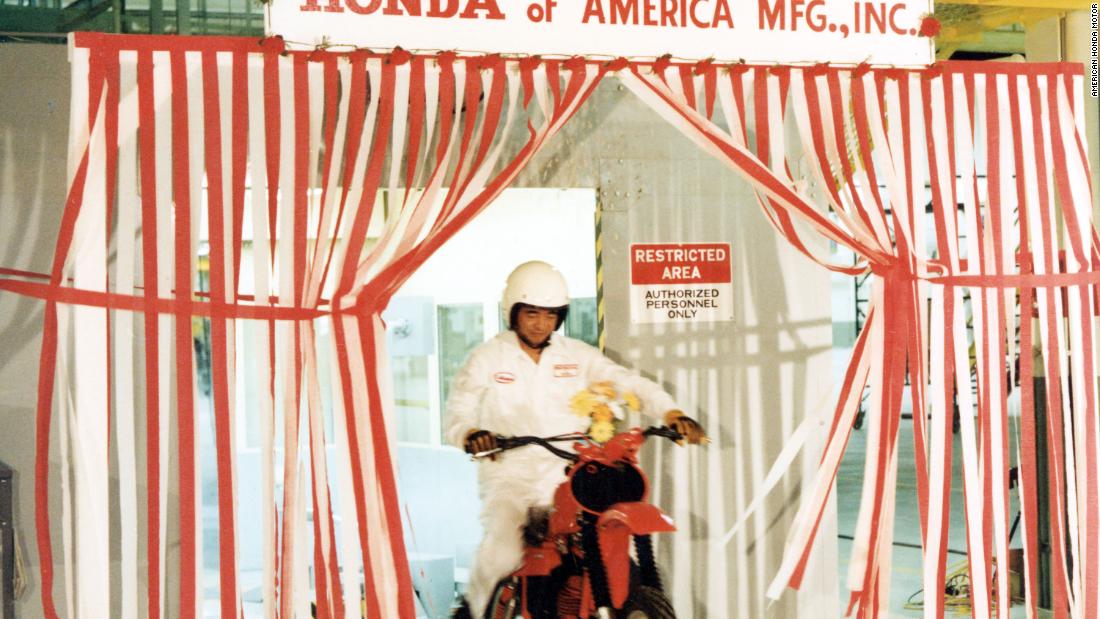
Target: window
(412, 407)
(581, 323)
(461, 329)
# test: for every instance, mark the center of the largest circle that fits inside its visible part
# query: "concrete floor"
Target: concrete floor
(907, 564)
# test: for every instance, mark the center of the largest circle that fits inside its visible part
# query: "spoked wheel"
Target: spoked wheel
(505, 602)
(646, 603)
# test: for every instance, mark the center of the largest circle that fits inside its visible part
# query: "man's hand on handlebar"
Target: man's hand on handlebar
(484, 444)
(481, 441)
(691, 430)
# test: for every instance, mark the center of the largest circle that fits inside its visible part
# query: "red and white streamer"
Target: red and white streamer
(182, 144)
(233, 142)
(1012, 236)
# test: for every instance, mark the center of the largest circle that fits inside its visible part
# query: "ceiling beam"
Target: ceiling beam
(1056, 5)
(29, 19)
(998, 41)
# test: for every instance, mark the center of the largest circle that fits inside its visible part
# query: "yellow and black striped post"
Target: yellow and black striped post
(599, 276)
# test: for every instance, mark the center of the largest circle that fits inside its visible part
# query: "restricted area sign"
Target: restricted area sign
(681, 282)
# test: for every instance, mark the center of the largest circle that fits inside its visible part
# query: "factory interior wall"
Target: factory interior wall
(749, 381)
(34, 121)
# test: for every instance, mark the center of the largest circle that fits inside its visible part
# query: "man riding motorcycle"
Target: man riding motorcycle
(520, 383)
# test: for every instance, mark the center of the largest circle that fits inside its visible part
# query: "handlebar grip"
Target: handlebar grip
(503, 443)
(665, 432)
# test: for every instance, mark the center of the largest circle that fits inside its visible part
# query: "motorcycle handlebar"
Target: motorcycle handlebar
(664, 431)
(505, 443)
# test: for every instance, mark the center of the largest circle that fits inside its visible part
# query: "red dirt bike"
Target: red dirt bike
(578, 562)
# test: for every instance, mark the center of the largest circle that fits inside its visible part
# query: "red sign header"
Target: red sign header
(680, 263)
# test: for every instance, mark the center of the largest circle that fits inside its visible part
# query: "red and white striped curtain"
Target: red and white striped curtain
(308, 187)
(1001, 151)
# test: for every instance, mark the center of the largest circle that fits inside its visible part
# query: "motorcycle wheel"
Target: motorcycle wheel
(646, 603)
(505, 601)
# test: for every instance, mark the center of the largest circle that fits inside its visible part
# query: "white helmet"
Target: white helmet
(537, 284)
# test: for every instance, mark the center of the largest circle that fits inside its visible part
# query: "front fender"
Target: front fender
(638, 518)
(616, 527)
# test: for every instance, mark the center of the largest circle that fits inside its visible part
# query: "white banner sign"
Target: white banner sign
(681, 282)
(781, 31)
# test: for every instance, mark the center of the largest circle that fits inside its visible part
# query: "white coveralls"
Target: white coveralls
(502, 390)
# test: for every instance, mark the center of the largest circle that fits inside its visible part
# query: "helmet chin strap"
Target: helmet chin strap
(531, 344)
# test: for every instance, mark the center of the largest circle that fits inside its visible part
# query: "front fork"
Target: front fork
(643, 547)
(597, 566)
(593, 560)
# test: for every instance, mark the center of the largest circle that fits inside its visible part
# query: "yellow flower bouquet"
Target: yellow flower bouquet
(603, 404)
